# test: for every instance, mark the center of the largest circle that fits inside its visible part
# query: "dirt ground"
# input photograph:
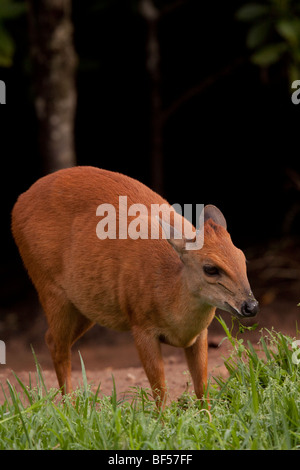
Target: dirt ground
(109, 354)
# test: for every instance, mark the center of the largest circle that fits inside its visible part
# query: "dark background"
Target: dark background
(232, 141)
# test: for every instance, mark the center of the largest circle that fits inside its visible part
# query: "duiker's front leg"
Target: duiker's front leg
(149, 350)
(196, 356)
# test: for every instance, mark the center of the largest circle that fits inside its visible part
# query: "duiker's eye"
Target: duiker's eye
(211, 270)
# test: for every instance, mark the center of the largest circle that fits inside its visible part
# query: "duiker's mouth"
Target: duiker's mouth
(234, 311)
(248, 309)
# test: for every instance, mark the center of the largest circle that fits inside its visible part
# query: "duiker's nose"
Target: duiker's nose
(249, 308)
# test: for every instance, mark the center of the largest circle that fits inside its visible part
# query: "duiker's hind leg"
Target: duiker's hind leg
(66, 325)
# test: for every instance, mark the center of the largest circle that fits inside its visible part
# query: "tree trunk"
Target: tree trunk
(54, 67)
(151, 15)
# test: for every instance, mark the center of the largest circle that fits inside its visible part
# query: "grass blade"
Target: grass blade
(84, 377)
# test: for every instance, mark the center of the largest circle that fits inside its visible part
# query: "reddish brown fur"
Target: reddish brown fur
(143, 285)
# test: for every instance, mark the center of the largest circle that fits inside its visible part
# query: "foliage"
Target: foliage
(9, 9)
(274, 33)
(256, 407)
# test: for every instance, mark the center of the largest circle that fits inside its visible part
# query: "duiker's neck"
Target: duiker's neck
(189, 299)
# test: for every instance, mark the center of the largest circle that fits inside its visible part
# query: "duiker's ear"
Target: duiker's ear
(174, 237)
(212, 212)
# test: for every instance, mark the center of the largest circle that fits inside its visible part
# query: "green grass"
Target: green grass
(257, 407)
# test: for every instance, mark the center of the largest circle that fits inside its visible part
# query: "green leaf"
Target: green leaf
(294, 74)
(269, 54)
(265, 348)
(7, 47)
(5, 61)
(251, 11)
(289, 30)
(255, 398)
(9, 9)
(257, 34)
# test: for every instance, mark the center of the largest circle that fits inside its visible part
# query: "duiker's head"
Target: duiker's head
(216, 273)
